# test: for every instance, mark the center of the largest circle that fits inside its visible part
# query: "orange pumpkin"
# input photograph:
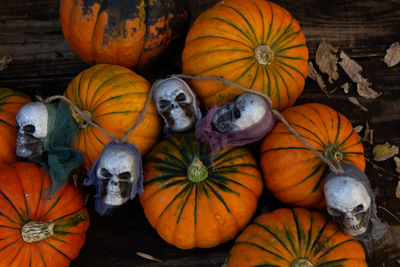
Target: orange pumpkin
(296, 238)
(254, 43)
(131, 33)
(10, 103)
(295, 174)
(35, 230)
(192, 203)
(112, 96)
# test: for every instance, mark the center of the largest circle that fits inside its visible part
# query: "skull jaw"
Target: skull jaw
(357, 225)
(26, 148)
(114, 199)
(180, 120)
(354, 230)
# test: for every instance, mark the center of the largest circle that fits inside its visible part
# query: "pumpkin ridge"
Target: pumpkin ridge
(163, 178)
(349, 146)
(175, 162)
(218, 37)
(291, 67)
(69, 214)
(278, 40)
(309, 234)
(255, 77)
(59, 240)
(337, 128)
(18, 251)
(221, 177)
(272, 22)
(94, 73)
(318, 237)
(223, 64)
(85, 134)
(245, 19)
(6, 123)
(9, 227)
(222, 156)
(318, 140)
(12, 205)
(331, 263)
(263, 249)
(221, 186)
(321, 178)
(278, 93)
(299, 236)
(113, 98)
(275, 236)
(56, 249)
(23, 193)
(283, 46)
(116, 112)
(269, 83)
(262, 21)
(288, 48)
(9, 245)
(333, 247)
(41, 254)
(181, 152)
(289, 57)
(8, 218)
(52, 206)
(234, 26)
(289, 237)
(184, 204)
(345, 140)
(252, 63)
(40, 195)
(219, 197)
(178, 195)
(275, 66)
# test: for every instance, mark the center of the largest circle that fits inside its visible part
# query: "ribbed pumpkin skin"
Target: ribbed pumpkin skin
(222, 42)
(23, 198)
(114, 96)
(292, 172)
(187, 214)
(280, 237)
(130, 33)
(10, 103)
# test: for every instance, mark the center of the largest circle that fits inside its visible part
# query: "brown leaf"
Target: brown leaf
(358, 128)
(368, 134)
(385, 151)
(353, 70)
(392, 56)
(357, 103)
(397, 162)
(345, 87)
(398, 189)
(313, 74)
(147, 256)
(326, 60)
(4, 61)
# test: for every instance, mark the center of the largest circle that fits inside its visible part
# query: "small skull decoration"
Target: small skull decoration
(117, 174)
(350, 201)
(245, 120)
(176, 103)
(31, 125)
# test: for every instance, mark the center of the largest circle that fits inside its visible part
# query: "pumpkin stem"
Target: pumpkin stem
(80, 121)
(197, 172)
(35, 231)
(264, 54)
(333, 153)
(302, 262)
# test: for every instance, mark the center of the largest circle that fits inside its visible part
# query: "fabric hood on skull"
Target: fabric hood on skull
(59, 158)
(376, 228)
(137, 186)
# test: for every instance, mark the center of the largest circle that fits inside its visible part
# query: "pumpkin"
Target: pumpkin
(297, 238)
(131, 33)
(295, 174)
(10, 103)
(194, 203)
(112, 97)
(37, 230)
(256, 44)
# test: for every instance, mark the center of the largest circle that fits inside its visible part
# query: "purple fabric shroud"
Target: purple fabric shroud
(137, 186)
(217, 140)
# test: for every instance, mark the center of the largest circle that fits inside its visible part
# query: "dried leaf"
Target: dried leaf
(313, 74)
(147, 256)
(345, 87)
(353, 70)
(385, 151)
(4, 61)
(368, 134)
(357, 103)
(327, 60)
(397, 162)
(398, 189)
(358, 128)
(392, 56)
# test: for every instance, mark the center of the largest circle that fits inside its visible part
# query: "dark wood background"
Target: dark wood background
(43, 65)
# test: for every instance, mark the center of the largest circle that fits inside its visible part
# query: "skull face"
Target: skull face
(349, 203)
(117, 172)
(32, 128)
(246, 110)
(176, 103)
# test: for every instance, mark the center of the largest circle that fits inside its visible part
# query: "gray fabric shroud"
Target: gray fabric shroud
(376, 228)
(137, 186)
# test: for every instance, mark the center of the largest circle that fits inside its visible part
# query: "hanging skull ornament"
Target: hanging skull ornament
(350, 201)
(245, 120)
(176, 103)
(117, 174)
(31, 125)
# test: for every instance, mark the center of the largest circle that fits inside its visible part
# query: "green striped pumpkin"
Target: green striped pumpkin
(11, 102)
(112, 97)
(255, 43)
(38, 229)
(295, 238)
(193, 203)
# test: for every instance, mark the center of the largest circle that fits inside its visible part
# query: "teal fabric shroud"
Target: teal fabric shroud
(59, 157)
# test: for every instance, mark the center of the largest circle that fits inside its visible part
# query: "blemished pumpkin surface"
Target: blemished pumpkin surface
(112, 96)
(294, 173)
(190, 214)
(256, 44)
(11, 102)
(129, 33)
(24, 198)
(295, 238)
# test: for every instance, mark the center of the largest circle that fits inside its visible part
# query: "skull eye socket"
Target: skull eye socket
(181, 97)
(29, 129)
(125, 176)
(336, 212)
(105, 173)
(163, 103)
(17, 127)
(236, 112)
(359, 208)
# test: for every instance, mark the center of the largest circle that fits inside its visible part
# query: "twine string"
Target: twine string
(333, 165)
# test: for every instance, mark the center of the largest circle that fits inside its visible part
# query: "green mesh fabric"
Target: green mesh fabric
(59, 158)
